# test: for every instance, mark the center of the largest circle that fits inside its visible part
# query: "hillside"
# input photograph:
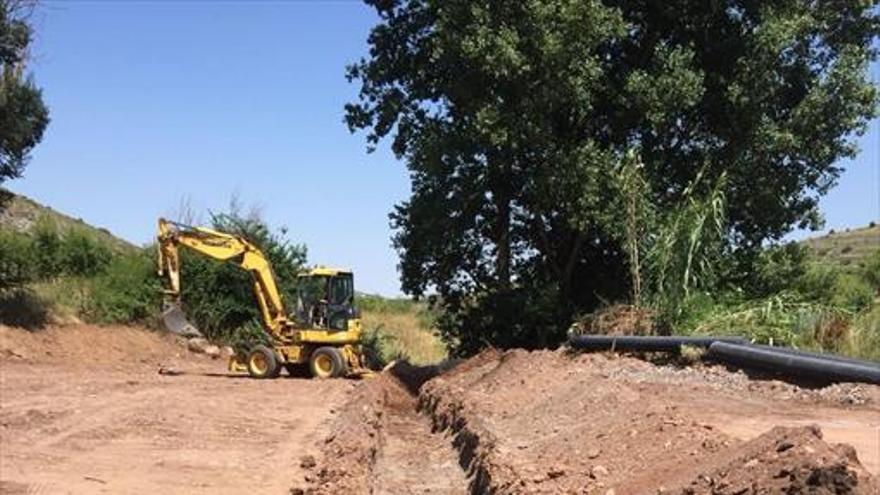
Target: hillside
(849, 247)
(21, 213)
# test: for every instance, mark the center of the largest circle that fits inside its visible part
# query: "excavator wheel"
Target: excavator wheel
(327, 362)
(262, 363)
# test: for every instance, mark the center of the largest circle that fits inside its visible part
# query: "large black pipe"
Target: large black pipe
(644, 343)
(817, 368)
(817, 355)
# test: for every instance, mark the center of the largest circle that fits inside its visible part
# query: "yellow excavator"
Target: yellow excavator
(324, 333)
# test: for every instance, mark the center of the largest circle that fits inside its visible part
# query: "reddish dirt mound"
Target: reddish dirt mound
(783, 460)
(103, 346)
(543, 422)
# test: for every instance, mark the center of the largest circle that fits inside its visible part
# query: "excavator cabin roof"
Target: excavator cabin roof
(324, 271)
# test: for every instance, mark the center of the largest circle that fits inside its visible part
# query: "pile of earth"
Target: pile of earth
(550, 422)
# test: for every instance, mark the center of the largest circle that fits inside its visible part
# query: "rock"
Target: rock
(599, 471)
(307, 462)
(593, 453)
(169, 371)
(213, 351)
(555, 473)
(197, 345)
(784, 445)
(296, 491)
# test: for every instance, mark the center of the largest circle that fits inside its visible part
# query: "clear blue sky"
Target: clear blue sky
(152, 102)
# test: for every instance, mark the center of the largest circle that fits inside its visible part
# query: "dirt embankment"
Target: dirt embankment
(544, 422)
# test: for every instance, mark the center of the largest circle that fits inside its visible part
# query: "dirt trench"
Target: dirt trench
(381, 444)
(546, 422)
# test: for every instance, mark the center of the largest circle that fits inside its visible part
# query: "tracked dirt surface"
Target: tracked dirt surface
(83, 410)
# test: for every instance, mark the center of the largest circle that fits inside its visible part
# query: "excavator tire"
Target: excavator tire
(262, 363)
(327, 362)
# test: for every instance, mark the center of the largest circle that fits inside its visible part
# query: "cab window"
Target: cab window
(341, 290)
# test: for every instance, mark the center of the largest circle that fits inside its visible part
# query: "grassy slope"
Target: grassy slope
(406, 329)
(21, 213)
(849, 248)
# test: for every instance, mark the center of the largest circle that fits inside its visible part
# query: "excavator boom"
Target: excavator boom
(222, 247)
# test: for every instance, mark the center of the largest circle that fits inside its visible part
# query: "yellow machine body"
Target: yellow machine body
(327, 327)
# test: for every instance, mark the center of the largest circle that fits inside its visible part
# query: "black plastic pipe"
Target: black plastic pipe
(644, 343)
(817, 355)
(817, 368)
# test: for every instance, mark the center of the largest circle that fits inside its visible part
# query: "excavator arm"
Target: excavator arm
(222, 247)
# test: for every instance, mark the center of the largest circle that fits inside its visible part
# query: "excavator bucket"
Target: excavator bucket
(175, 322)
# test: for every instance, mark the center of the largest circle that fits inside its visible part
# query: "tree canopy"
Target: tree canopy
(511, 117)
(23, 114)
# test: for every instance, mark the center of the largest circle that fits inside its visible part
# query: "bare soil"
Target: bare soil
(547, 422)
(85, 410)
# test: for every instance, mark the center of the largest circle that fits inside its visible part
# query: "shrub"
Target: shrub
(128, 290)
(851, 292)
(774, 270)
(82, 255)
(871, 271)
(245, 337)
(47, 248)
(783, 319)
(380, 347)
(21, 307)
(16, 260)
(818, 281)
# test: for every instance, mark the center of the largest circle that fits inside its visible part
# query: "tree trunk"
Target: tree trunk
(502, 240)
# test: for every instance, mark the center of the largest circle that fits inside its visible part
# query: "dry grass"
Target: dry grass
(405, 334)
(849, 248)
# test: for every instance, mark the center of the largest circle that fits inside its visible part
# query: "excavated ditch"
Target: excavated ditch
(543, 422)
(382, 445)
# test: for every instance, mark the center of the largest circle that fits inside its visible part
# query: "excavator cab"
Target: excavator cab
(326, 298)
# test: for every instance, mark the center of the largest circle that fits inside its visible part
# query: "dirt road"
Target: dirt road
(120, 427)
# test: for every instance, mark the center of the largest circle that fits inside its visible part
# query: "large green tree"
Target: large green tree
(511, 115)
(23, 115)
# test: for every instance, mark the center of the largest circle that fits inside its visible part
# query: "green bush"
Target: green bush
(21, 307)
(127, 291)
(871, 271)
(80, 254)
(774, 270)
(829, 284)
(218, 297)
(852, 292)
(380, 347)
(17, 264)
(245, 337)
(47, 248)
